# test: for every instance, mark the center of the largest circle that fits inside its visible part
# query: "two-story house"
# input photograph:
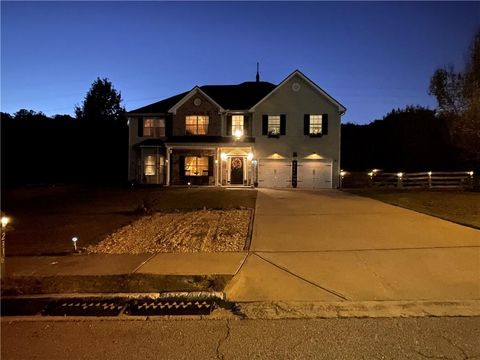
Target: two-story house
(250, 134)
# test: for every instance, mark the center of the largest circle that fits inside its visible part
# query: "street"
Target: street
(352, 338)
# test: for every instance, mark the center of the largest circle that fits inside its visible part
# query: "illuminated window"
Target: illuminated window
(153, 127)
(315, 124)
(149, 165)
(196, 166)
(196, 125)
(273, 124)
(237, 125)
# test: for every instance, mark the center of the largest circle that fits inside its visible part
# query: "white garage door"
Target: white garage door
(314, 175)
(274, 173)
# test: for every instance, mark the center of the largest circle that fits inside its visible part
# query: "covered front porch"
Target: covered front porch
(214, 165)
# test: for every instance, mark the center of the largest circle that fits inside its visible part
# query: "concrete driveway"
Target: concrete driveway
(334, 246)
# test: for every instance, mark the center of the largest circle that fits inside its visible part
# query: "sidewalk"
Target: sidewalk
(120, 273)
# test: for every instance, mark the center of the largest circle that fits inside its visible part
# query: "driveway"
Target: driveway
(334, 246)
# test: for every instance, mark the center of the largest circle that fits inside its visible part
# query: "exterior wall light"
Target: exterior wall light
(250, 156)
(223, 156)
(370, 173)
(343, 173)
(429, 173)
(400, 174)
(470, 173)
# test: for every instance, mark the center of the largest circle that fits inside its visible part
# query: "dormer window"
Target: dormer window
(196, 124)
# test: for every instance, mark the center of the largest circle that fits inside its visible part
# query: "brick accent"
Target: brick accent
(205, 108)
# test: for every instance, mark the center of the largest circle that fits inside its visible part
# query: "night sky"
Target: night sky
(372, 57)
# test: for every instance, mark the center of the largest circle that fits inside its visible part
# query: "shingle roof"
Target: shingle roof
(233, 97)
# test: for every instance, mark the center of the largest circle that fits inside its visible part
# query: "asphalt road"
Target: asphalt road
(368, 338)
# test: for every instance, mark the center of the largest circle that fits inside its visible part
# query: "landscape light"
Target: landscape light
(250, 156)
(74, 241)
(5, 220)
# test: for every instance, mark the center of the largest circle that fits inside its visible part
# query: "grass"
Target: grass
(45, 219)
(462, 207)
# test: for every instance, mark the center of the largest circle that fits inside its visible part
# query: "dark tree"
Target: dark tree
(5, 116)
(458, 98)
(102, 102)
(24, 114)
(410, 139)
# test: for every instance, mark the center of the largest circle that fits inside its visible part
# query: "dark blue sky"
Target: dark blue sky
(372, 57)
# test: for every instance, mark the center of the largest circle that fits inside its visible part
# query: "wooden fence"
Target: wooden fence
(379, 179)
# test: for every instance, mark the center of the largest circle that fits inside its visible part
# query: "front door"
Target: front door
(236, 170)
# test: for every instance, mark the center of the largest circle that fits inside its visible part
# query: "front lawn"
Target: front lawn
(462, 207)
(45, 219)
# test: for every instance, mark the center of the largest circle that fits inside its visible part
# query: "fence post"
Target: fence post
(429, 179)
(399, 180)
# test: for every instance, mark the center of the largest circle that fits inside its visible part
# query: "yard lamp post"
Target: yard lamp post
(74, 241)
(5, 220)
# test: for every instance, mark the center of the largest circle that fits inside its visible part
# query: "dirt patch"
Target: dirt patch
(192, 231)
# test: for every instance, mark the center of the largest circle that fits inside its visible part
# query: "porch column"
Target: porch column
(142, 170)
(168, 167)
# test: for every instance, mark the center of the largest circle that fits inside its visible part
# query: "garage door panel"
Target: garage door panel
(314, 175)
(274, 173)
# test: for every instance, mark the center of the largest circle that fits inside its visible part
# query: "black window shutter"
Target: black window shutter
(264, 124)
(181, 165)
(229, 125)
(324, 124)
(245, 125)
(210, 166)
(168, 126)
(140, 127)
(283, 124)
(306, 124)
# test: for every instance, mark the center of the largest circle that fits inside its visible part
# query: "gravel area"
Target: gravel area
(192, 231)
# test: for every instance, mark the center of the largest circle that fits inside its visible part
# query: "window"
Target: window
(237, 125)
(153, 127)
(274, 125)
(149, 165)
(196, 166)
(196, 125)
(315, 125)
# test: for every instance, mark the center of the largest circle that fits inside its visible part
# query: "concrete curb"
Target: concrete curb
(358, 309)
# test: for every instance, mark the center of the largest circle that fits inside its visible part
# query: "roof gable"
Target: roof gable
(192, 92)
(341, 108)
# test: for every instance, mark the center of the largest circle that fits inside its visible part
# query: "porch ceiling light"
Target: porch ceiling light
(223, 156)
(238, 134)
(250, 156)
